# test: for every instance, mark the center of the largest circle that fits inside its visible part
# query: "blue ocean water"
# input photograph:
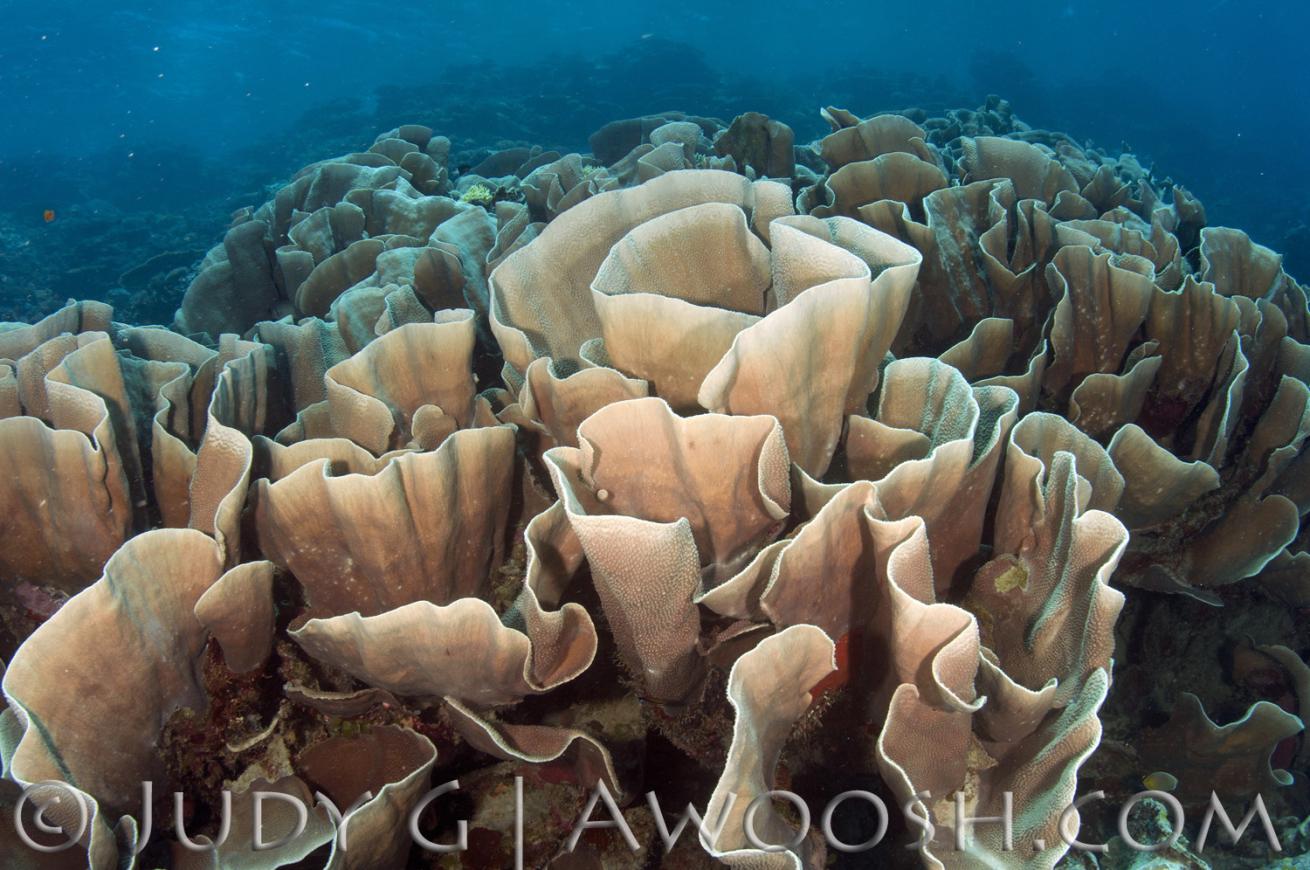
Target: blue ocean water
(141, 125)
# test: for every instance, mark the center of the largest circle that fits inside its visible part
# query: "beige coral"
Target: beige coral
(683, 503)
(730, 323)
(845, 480)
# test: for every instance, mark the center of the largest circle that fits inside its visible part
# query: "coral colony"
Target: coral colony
(922, 496)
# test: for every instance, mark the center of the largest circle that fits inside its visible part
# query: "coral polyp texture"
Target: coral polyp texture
(941, 462)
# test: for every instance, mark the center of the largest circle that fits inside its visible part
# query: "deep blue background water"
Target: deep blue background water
(197, 107)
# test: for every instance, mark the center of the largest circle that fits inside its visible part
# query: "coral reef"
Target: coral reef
(941, 464)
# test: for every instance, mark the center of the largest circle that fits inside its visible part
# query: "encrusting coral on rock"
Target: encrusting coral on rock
(709, 464)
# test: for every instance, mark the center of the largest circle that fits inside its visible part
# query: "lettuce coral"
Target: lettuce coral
(708, 463)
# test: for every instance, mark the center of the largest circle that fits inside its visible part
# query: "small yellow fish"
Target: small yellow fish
(1160, 781)
(1013, 577)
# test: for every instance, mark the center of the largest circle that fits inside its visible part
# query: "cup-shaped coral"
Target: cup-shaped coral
(837, 495)
(422, 454)
(105, 432)
(147, 606)
(666, 508)
(981, 687)
(1093, 314)
(689, 283)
